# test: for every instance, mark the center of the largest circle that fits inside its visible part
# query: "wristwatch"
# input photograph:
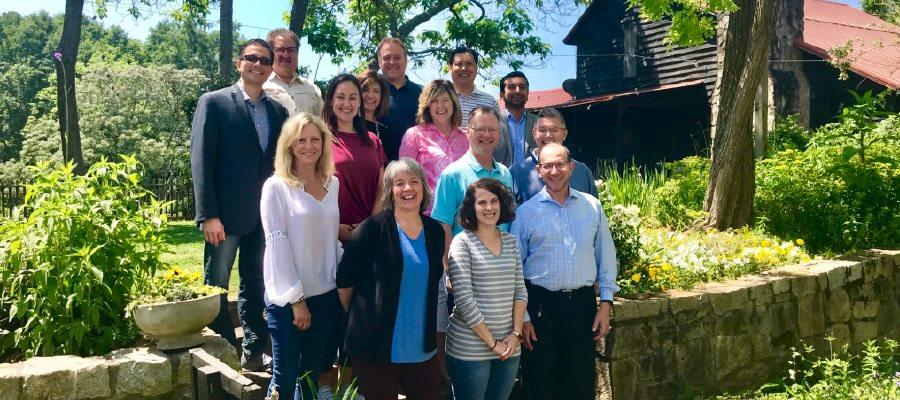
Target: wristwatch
(518, 335)
(302, 299)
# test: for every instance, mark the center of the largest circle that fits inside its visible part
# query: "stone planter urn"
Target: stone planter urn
(177, 325)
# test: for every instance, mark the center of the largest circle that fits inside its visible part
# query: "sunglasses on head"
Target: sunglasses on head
(250, 58)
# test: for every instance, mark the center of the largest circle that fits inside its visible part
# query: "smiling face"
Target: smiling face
(483, 133)
(463, 69)
(392, 62)
(555, 169)
(515, 92)
(285, 56)
(307, 149)
(407, 190)
(549, 130)
(254, 73)
(441, 108)
(346, 103)
(371, 96)
(487, 207)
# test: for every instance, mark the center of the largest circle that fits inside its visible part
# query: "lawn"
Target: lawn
(186, 251)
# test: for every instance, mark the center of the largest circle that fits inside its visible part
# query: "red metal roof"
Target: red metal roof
(544, 98)
(875, 43)
(567, 101)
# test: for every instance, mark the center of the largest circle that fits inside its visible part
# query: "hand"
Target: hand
(500, 349)
(601, 321)
(302, 317)
(213, 231)
(449, 284)
(344, 231)
(512, 344)
(529, 335)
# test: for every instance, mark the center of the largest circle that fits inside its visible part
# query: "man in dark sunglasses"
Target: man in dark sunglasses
(233, 139)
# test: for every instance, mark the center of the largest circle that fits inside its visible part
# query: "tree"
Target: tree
(183, 44)
(226, 38)
(888, 10)
(502, 31)
(66, 56)
(742, 63)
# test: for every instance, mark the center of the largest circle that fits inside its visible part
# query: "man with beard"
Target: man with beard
(516, 139)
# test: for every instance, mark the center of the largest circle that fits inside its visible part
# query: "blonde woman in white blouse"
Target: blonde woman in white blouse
(299, 212)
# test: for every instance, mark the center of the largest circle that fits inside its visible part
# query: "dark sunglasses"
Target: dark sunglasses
(254, 59)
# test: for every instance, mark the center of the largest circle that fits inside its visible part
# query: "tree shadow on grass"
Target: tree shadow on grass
(183, 232)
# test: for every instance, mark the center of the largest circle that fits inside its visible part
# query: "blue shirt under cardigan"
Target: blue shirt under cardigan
(408, 341)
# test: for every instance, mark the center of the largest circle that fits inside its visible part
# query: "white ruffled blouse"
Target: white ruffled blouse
(302, 247)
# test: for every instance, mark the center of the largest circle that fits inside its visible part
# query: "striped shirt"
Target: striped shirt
(484, 287)
(468, 103)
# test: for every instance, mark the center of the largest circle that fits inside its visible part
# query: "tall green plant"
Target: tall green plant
(68, 268)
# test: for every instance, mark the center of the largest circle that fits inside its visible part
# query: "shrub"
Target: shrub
(68, 268)
(630, 187)
(833, 200)
(787, 134)
(679, 201)
(625, 227)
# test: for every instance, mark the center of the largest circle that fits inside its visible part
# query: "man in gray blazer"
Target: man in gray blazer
(516, 140)
(233, 139)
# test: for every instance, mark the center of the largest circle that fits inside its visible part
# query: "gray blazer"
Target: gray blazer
(227, 164)
(503, 153)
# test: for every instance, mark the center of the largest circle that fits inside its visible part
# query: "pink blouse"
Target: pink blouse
(428, 146)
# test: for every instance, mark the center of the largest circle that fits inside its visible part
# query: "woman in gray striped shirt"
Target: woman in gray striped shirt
(486, 272)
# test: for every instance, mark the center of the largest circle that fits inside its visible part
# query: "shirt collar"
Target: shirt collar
(512, 119)
(295, 77)
(475, 165)
(544, 196)
(240, 84)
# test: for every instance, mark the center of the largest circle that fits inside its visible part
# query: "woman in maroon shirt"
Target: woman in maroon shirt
(359, 166)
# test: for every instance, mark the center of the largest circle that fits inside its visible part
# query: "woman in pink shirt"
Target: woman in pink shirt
(436, 140)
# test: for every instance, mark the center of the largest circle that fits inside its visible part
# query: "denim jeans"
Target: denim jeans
(487, 380)
(218, 262)
(297, 353)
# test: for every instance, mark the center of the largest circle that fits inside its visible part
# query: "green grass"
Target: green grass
(186, 251)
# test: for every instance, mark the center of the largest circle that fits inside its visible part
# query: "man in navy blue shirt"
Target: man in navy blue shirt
(392, 60)
(549, 128)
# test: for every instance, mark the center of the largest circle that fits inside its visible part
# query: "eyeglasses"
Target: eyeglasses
(560, 166)
(289, 50)
(254, 59)
(553, 130)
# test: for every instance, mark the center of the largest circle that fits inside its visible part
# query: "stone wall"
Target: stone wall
(738, 334)
(135, 373)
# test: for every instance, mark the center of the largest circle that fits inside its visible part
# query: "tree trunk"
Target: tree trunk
(226, 38)
(790, 87)
(743, 54)
(66, 56)
(299, 8)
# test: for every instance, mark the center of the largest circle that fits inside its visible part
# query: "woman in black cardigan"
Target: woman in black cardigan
(388, 282)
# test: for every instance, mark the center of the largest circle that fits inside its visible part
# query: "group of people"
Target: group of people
(413, 233)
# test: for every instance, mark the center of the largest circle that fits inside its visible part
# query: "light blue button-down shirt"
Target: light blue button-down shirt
(455, 179)
(566, 246)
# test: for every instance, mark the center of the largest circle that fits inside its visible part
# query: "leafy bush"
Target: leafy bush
(835, 203)
(874, 375)
(631, 187)
(625, 227)
(679, 200)
(68, 268)
(673, 259)
(787, 135)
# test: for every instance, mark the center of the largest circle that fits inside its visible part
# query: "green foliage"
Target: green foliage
(858, 123)
(124, 109)
(679, 200)
(632, 186)
(67, 269)
(693, 22)
(873, 375)
(183, 45)
(175, 284)
(787, 135)
(888, 10)
(625, 227)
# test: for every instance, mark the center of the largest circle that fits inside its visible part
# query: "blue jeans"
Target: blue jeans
(218, 262)
(482, 380)
(297, 353)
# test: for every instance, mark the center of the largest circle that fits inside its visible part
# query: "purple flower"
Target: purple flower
(57, 55)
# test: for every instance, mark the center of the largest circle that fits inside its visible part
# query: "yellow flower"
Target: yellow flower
(652, 272)
(766, 243)
(800, 242)
(636, 277)
(666, 267)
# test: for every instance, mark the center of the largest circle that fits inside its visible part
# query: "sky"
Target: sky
(258, 17)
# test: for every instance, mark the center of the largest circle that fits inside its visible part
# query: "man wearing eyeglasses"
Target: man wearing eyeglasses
(307, 97)
(516, 139)
(568, 259)
(549, 128)
(233, 139)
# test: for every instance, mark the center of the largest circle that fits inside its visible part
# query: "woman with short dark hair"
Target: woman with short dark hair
(388, 281)
(489, 289)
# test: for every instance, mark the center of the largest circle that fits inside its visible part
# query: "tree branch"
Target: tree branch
(480, 6)
(430, 50)
(410, 25)
(299, 9)
(392, 17)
